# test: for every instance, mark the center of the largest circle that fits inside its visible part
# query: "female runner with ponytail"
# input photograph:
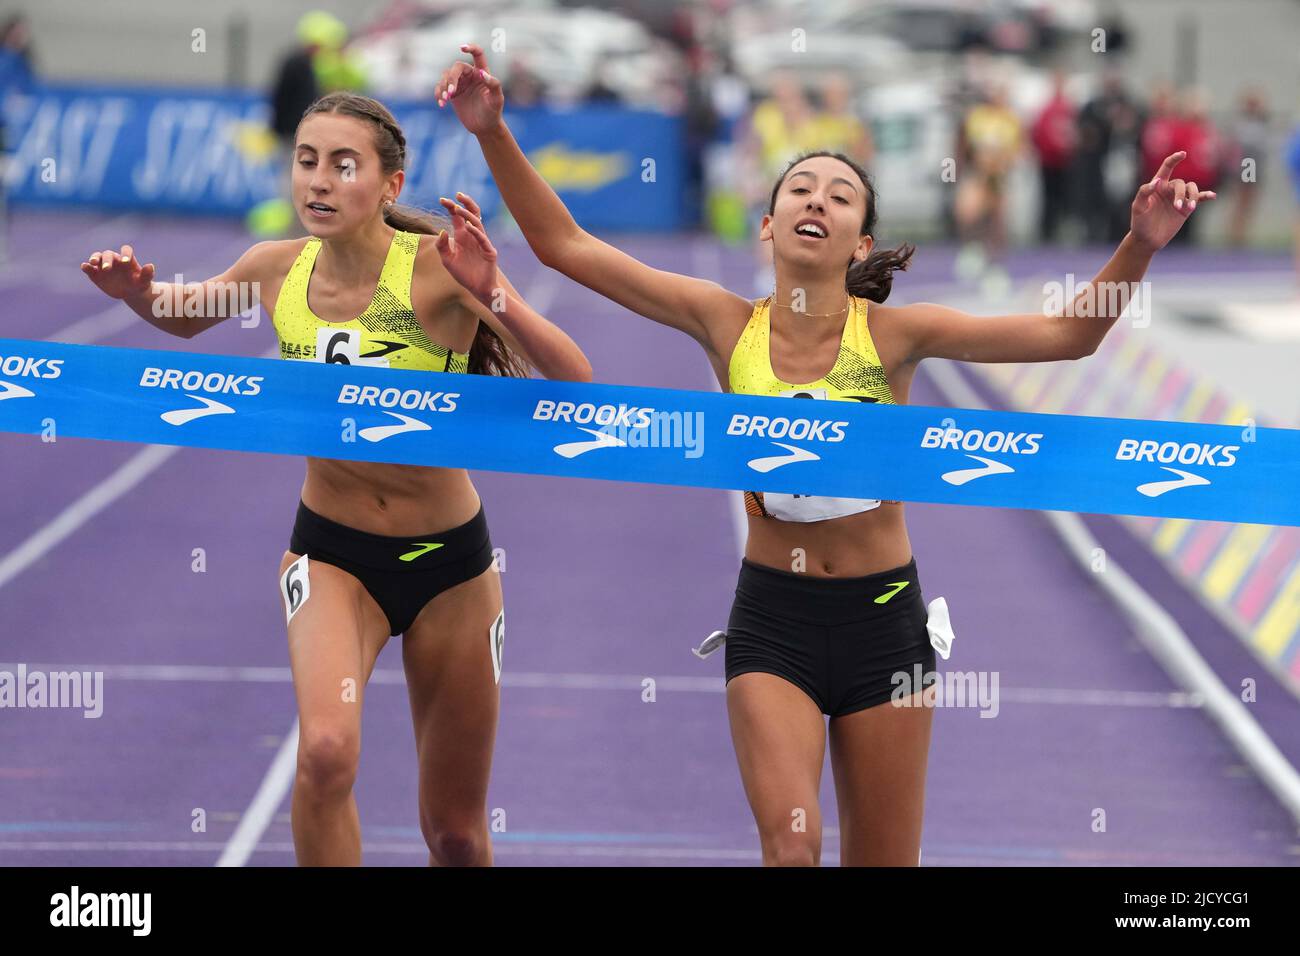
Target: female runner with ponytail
(379, 550)
(830, 638)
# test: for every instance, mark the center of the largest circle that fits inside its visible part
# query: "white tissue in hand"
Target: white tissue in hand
(940, 627)
(711, 644)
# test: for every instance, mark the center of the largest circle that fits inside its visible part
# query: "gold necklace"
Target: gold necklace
(811, 315)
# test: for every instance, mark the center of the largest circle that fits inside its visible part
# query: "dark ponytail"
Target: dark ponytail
(489, 355)
(873, 277)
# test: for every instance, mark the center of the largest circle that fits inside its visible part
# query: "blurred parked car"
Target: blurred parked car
(564, 48)
(872, 41)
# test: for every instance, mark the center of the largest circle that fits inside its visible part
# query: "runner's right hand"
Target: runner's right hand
(118, 275)
(473, 92)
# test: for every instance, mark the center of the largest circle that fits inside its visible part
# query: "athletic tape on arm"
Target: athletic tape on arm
(659, 436)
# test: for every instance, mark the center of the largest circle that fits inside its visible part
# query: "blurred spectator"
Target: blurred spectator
(336, 68)
(701, 127)
(1292, 158)
(779, 128)
(1159, 131)
(1056, 140)
(523, 88)
(729, 102)
(1248, 138)
(994, 139)
(836, 127)
(16, 70)
(1109, 128)
(967, 90)
(16, 76)
(1195, 133)
(729, 94)
(294, 90)
(319, 64)
(602, 89)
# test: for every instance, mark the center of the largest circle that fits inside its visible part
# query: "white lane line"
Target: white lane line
(135, 470)
(206, 673)
(138, 846)
(1158, 632)
(1098, 697)
(127, 475)
(506, 849)
(414, 849)
(270, 794)
(278, 778)
(92, 328)
(632, 682)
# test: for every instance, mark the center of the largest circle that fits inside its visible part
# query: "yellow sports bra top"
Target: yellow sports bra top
(857, 375)
(385, 334)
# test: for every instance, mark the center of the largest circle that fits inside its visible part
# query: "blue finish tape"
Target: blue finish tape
(660, 436)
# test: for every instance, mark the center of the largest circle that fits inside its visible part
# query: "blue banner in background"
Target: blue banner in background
(657, 435)
(204, 152)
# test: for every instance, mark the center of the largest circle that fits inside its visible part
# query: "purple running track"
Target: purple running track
(606, 584)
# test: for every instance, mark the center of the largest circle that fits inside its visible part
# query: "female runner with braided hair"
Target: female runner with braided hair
(379, 550)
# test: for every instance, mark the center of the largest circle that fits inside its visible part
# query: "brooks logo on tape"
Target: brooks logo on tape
(748, 442)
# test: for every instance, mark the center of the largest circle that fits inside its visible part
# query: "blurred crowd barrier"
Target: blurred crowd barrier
(991, 125)
(212, 153)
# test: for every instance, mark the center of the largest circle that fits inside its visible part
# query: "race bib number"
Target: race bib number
(813, 507)
(343, 347)
(295, 588)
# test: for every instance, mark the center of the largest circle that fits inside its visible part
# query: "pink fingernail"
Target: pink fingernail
(1178, 204)
(483, 74)
(1191, 205)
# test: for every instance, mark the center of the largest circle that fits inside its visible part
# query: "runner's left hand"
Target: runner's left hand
(1163, 205)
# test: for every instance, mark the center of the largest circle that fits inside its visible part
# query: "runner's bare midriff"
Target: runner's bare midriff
(848, 547)
(389, 499)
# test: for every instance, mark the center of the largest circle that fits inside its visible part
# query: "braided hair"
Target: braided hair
(489, 354)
